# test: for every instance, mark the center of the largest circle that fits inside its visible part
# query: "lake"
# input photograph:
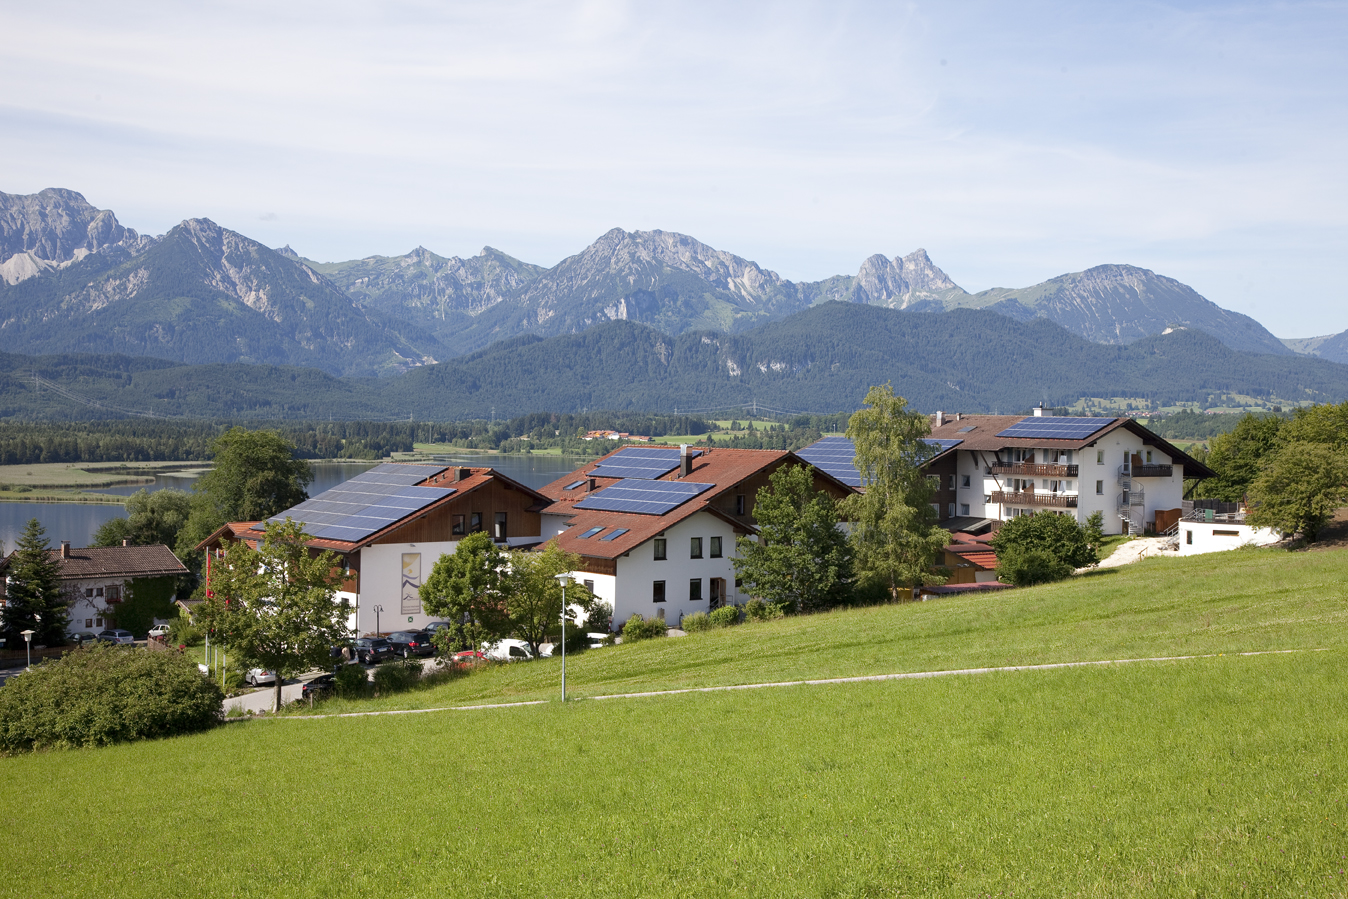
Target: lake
(77, 522)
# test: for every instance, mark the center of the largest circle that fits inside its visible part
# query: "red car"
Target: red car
(469, 657)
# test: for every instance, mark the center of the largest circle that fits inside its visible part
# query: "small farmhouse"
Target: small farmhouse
(124, 586)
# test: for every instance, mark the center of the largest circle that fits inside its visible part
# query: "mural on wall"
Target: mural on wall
(411, 583)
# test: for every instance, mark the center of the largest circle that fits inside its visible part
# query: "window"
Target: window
(739, 504)
(695, 590)
(88, 592)
(613, 535)
(98, 591)
(115, 593)
(475, 522)
(951, 481)
(987, 497)
(1099, 488)
(658, 591)
(1099, 457)
(1226, 533)
(98, 622)
(88, 622)
(1148, 457)
(950, 510)
(500, 533)
(457, 526)
(660, 553)
(589, 585)
(573, 485)
(964, 508)
(695, 548)
(590, 533)
(1189, 537)
(716, 547)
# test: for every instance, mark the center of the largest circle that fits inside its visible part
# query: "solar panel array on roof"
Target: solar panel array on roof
(369, 502)
(833, 455)
(646, 462)
(941, 443)
(643, 496)
(1055, 427)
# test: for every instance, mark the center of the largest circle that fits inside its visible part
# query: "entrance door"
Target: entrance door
(717, 592)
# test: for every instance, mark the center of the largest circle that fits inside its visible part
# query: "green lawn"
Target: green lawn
(1221, 776)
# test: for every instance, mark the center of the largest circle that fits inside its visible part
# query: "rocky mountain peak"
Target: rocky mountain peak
(923, 275)
(901, 281)
(54, 228)
(287, 252)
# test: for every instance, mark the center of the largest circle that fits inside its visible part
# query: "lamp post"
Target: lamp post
(376, 610)
(28, 641)
(563, 579)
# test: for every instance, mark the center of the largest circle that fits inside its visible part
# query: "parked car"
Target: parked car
(318, 687)
(79, 638)
(117, 637)
(598, 638)
(372, 650)
(469, 657)
(435, 626)
(259, 676)
(507, 651)
(411, 643)
(159, 630)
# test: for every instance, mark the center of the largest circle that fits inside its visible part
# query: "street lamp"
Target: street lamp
(376, 610)
(563, 579)
(28, 641)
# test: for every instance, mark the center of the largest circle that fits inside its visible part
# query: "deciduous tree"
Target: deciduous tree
(151, 517)
(894, 534)
(801, 559)
(1300, 489)
(466, 589)
(1045, 546)
(276, 606)
(533, 595)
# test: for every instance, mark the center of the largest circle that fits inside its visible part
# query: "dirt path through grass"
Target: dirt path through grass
(869, 678)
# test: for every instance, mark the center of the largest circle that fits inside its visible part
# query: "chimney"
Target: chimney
(589, 488)
(65, 549)
(465, 474)
(685, 461)
(940, 418)
(1039, 411)
(126, 541)
(957, 416)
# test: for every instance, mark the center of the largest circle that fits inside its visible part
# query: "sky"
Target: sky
(1014, 142)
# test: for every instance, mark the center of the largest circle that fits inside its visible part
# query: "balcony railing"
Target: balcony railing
(1035, 498)
(1153, 471)
(1048, 469)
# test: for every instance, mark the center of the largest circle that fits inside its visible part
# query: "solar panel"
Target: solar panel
(613, 535)
(643, 496)
(646, 462)
(833, 455)
(368, 502)
(573, 485)
(941, 443)
(1055, 427)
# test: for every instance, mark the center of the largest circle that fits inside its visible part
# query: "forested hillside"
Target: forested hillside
(820, 360)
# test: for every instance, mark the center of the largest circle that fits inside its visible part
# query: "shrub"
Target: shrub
(351, 682)
(1025, 568)
(758, 610)
(104, 695)
(599, 618)
(182, 632)
(638, 628)
(397, 676)
(725, 616)
(696, 623)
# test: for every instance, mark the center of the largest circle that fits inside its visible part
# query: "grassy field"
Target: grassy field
(1220, 776)
(55, 482)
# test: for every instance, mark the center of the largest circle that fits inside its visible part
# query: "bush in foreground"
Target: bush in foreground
(696, 623)
(1028, 567)
(638, 628)
(103, 695)
(725, 616)
(395, 677)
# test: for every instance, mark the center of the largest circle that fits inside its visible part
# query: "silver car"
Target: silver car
(117, 637)
(259, 676)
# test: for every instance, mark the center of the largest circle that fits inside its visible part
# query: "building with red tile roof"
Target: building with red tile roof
(670, 560)
(390, 525)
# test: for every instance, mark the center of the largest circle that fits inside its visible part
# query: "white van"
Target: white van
(507, 651)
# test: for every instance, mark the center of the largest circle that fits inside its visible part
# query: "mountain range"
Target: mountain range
(74, 279)
(821, 359)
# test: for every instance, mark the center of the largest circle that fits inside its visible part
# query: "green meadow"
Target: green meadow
(1215, 776)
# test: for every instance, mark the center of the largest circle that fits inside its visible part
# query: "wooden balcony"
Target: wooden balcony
(1047, 470)
(1035, 498)
(1153, 471)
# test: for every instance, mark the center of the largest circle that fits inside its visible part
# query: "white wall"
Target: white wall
(1197, 537)
(381, 585)
(630, 591)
